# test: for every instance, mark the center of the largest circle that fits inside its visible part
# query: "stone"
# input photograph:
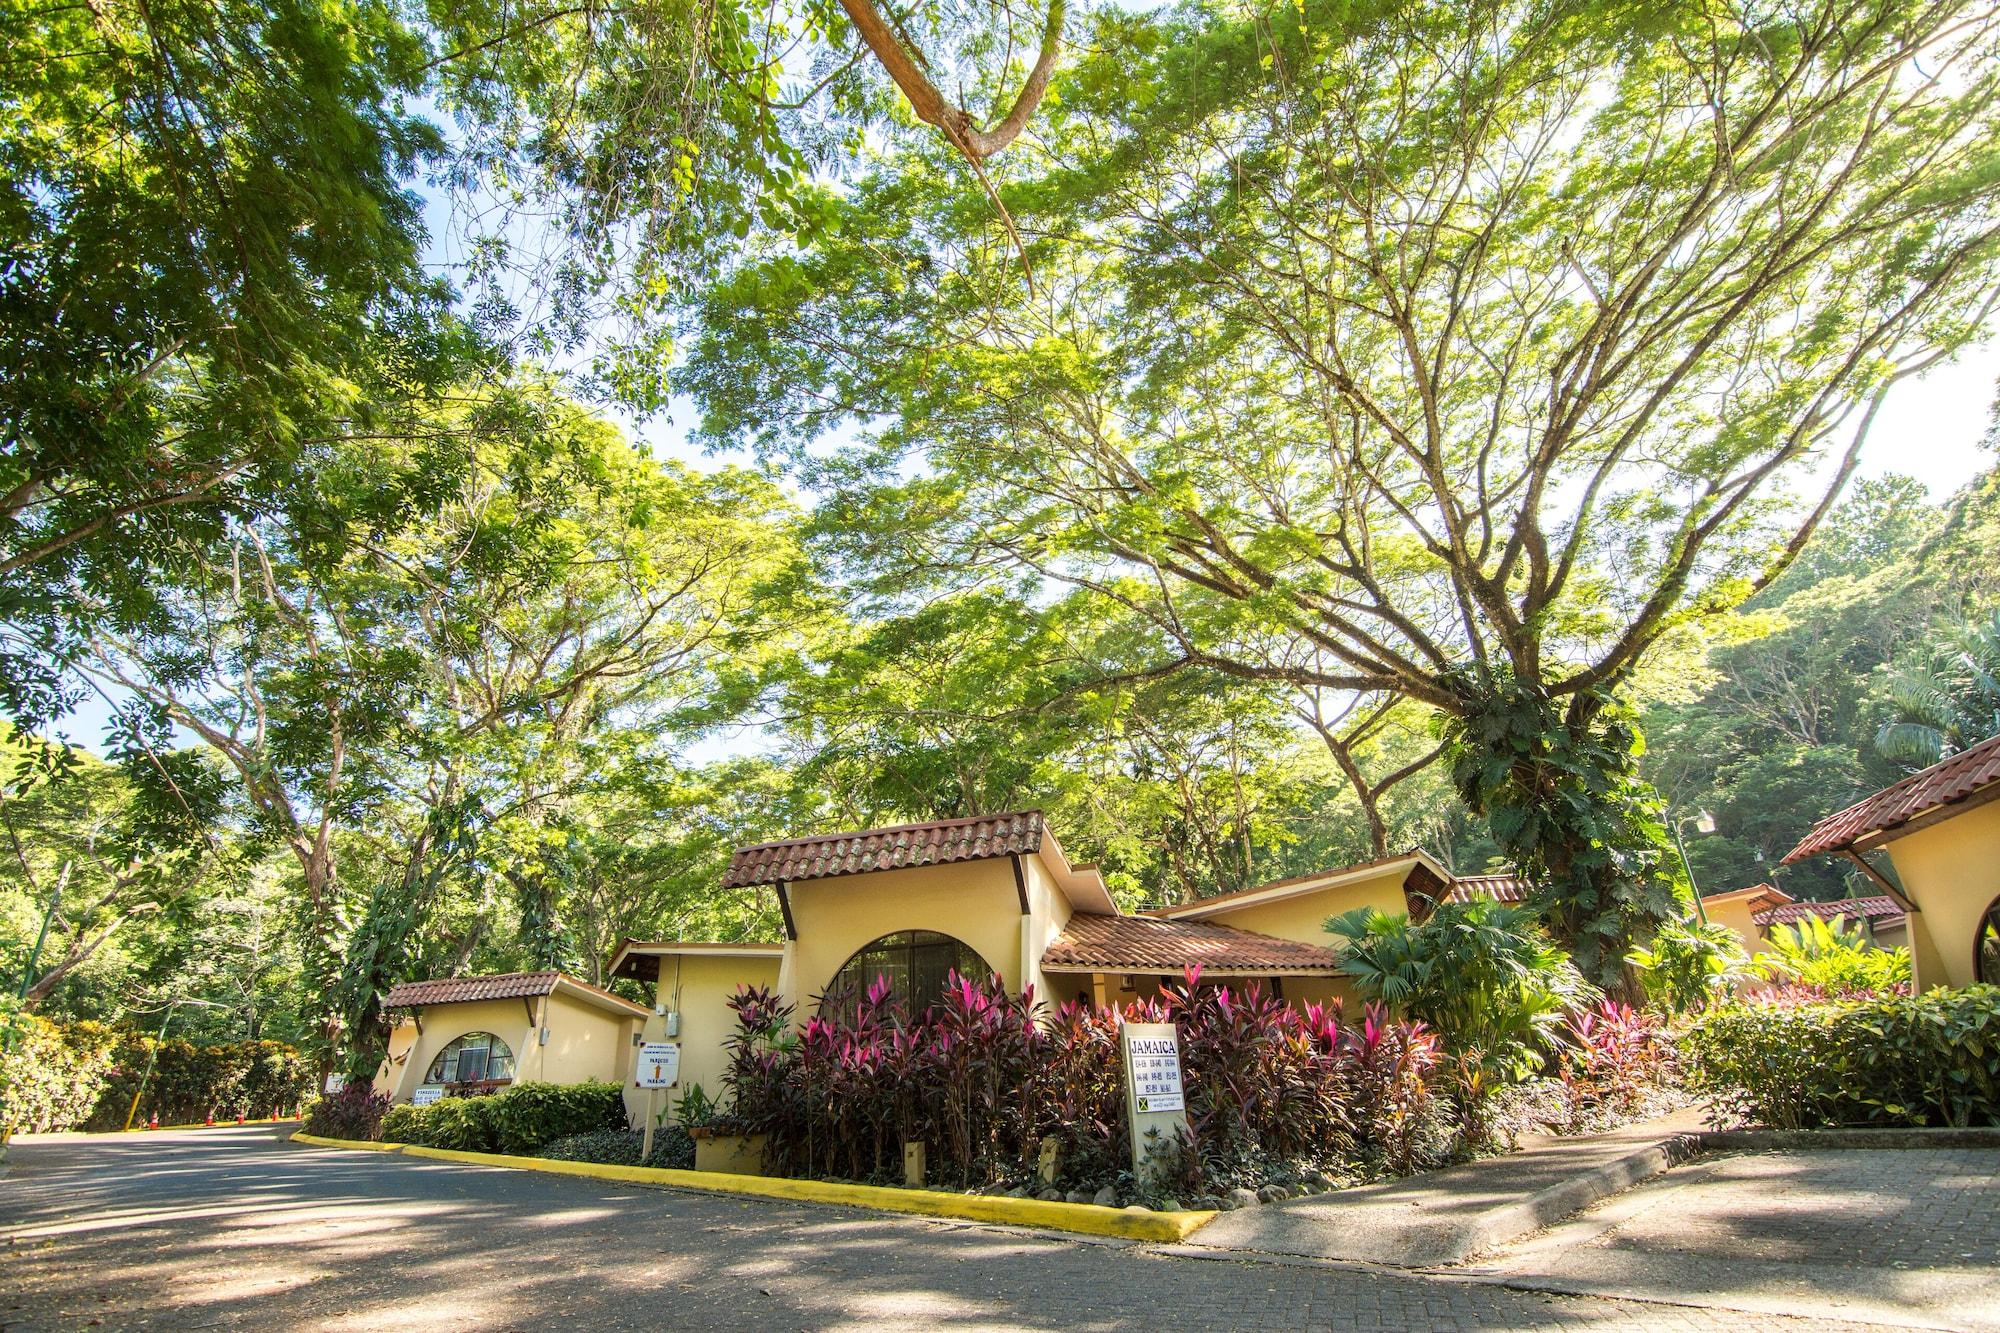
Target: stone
(1105, 1198)
(1137, 1208)
(1076, 1196)
(1050, 1196)
(1324, 1181)
(1273, 1194)
(1018, 1192)
(1240, 1198)
(1211, 1203)
(1170, 1205)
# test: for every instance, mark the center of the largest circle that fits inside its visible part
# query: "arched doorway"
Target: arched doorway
(914, 962)
(1986, 946)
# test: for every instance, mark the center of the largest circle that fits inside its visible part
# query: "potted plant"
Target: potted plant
(720, 1144)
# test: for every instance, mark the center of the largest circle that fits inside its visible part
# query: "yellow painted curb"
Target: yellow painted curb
(1083, 1218)
(365, 1145)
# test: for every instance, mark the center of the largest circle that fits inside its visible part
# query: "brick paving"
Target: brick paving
(235, 1229)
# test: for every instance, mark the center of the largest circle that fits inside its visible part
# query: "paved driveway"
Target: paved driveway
(1908, 1236)
(236, 1229)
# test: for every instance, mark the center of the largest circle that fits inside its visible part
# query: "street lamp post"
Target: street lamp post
(1704, 822)
(153, 1056)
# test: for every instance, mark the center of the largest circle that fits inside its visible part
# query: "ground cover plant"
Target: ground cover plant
(672, 1147)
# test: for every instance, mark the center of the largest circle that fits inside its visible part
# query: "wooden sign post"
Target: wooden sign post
(1155, 1100)
(659, 1067)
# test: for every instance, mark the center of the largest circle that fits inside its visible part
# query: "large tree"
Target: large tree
(403, 699)
(1458, 353)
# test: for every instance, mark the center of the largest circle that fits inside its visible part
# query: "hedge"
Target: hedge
(82, 1075)
(521, 1119)
(1929, 1059)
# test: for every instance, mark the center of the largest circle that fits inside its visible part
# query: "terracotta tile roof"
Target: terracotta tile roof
(1869, 908)
(1944, 783)
(939, 842)
(1756, 897)
(463, 990)
(640, 959)
(1506, 887)
(497, 986)
(1419, 878)
(1149, 944)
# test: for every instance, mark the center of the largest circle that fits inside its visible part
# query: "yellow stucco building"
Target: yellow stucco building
(992, 895)
(1941, 831)
(475, 1034)
(997, 895)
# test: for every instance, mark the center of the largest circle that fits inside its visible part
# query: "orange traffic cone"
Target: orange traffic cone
(154, 1121)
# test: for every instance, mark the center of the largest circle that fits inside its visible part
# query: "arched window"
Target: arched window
(477, 1057)
(915, 962)
(1986, 946)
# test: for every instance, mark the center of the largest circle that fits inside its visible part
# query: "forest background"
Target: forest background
(335, 335)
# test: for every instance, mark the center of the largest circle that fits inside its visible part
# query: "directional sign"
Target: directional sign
(659, 1064)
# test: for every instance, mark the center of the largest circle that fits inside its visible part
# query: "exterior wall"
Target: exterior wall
(1736, 916)
(1951, 871)
(1303, 918)
(698, 987)
(974, 901)
(585, 1042)
(1048, 912)
(445, 1023)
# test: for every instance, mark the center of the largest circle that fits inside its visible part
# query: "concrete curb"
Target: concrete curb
(150, 1129)
(1807, 1140)
(1081, 1218)
(1549, 1206)
(359, 1145)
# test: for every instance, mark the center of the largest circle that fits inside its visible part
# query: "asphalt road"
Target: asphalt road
(234, 1228)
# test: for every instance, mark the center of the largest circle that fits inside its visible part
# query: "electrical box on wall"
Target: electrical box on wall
(674, 1024)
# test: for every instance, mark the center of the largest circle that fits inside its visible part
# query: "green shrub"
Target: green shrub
(1930, 1059)
(50, 1077)
(519, 1120)
(400, 1122)
(529, 1115)
(355, 1112)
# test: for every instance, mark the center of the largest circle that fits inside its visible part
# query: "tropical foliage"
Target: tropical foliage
(1690, 965)
(1484, 975)
(1833, 957)
(1929, 1059)
(1258, 436)
(93, 1076)
(989, 1089)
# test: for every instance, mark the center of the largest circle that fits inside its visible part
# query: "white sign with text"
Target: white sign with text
(425, 1096)
(1155, 1099)
(659, 1064)
(1156, 1070)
